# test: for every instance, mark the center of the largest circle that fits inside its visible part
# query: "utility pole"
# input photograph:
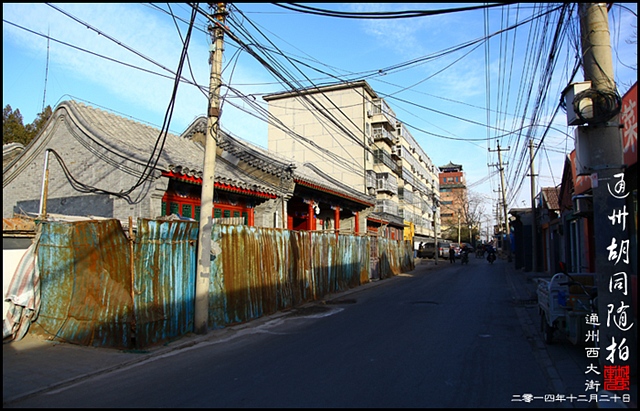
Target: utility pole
(499, 221)
(201, 314)
(599, 153)
(504, 201)
(534, 265)
(434, 208)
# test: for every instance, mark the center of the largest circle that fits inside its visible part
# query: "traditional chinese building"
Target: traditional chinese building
(96, 163)
(453, 199)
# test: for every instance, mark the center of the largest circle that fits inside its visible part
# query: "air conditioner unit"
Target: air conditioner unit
(585, 105)
(369, 113)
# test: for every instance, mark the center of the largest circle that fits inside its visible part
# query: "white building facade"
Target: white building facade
(351, 134)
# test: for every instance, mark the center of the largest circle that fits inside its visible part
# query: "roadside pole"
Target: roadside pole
(434, 208)
(507, 241)
(201, 312)
(534, 265)
(599, 154)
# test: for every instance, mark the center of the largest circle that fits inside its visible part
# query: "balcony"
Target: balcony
(382, 113)
(382, 157)
(387, 182)
(386, 206)
(381, 134)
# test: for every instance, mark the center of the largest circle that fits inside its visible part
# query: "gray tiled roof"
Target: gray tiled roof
(305, 172)
(451, 165)
(277, 164)
(136, 141)
(10, 151)
(180, 154)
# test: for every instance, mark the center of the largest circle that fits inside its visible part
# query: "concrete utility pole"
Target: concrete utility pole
(507, 243)
(534, 265)
(201, 314)
(599, 153)
(434, 208)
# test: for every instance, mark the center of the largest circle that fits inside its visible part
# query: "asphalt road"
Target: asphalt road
(449, 338)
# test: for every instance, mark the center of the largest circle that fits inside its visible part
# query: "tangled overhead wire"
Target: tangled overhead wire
(605, 104)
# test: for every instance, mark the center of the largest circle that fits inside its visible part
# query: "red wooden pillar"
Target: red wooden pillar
(312, 217)
(357, 223)
(336, 216)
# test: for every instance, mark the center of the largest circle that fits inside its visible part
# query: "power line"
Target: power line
(154, 157)
(380, 15)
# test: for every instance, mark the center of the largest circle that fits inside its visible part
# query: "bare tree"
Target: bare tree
(467, 211)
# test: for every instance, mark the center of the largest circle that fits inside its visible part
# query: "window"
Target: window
(175, 202)
(187, 210)
(378, 156)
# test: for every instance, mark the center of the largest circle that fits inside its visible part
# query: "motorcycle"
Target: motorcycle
(491, 258)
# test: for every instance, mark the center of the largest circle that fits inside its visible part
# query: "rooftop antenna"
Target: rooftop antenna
(46, 73)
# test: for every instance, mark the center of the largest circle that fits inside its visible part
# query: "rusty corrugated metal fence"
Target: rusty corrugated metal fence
(85, 283)
(101, 289)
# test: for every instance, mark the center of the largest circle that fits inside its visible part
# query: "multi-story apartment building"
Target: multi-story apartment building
(453, 192)
(353, 135)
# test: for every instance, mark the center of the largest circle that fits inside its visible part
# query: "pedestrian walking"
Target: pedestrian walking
(452, 255)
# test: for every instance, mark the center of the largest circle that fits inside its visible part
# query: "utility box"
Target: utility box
(585, 106)
(591, 153)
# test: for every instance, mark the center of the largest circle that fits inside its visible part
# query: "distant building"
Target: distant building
(453, 196)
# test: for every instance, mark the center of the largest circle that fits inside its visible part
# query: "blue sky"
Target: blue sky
(439, 89)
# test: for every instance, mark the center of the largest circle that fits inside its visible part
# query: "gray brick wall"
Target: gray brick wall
(265, 214)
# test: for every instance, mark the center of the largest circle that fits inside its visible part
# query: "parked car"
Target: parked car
(443, 249)
(428, 251)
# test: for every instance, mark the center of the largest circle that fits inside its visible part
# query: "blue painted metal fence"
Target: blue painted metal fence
(164, 280)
